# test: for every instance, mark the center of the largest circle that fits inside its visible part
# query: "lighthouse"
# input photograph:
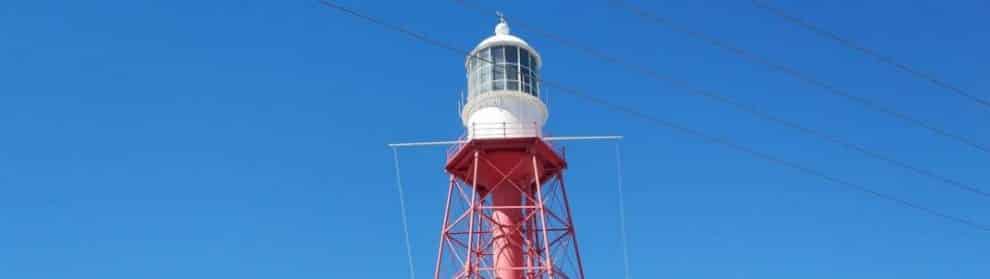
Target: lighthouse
(507, 213)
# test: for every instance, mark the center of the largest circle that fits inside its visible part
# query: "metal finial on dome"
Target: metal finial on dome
(502, 28)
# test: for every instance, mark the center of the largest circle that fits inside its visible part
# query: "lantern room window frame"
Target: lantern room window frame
(503, 68)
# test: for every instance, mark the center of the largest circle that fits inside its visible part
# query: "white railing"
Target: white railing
(497, 131)
(452, 150)
(503, 130)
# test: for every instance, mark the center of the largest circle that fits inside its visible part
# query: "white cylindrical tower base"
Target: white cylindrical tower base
(504, 114)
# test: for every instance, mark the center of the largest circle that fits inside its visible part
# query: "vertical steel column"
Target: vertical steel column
(543, 217)
(570, 224)
(443, 228)
(470, 268)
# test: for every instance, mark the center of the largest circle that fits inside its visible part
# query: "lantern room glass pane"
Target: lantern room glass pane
(498, 72)
(498, 54)
(486, 72)
(480, 57)
(524, 57)
(532, 61)
(534, 82)
(511, 54)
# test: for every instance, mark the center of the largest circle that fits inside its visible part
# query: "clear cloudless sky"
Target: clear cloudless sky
(246, 139)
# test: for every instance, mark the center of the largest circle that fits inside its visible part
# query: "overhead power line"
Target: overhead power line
(740, 106)
(658, 122)
(885, 59)
(801, 76)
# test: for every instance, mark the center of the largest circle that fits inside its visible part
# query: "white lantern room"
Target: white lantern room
(503, 98)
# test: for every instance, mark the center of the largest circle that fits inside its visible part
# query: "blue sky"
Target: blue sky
(246, 139)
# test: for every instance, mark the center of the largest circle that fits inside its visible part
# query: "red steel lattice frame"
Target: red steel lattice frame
(483, 232)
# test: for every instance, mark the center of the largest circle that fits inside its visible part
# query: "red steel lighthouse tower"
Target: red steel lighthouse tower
(507, 214)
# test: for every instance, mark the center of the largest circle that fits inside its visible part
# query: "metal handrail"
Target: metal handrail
(452, 150)
(494, 130)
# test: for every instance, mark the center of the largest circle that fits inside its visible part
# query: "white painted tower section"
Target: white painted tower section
(503, 88)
